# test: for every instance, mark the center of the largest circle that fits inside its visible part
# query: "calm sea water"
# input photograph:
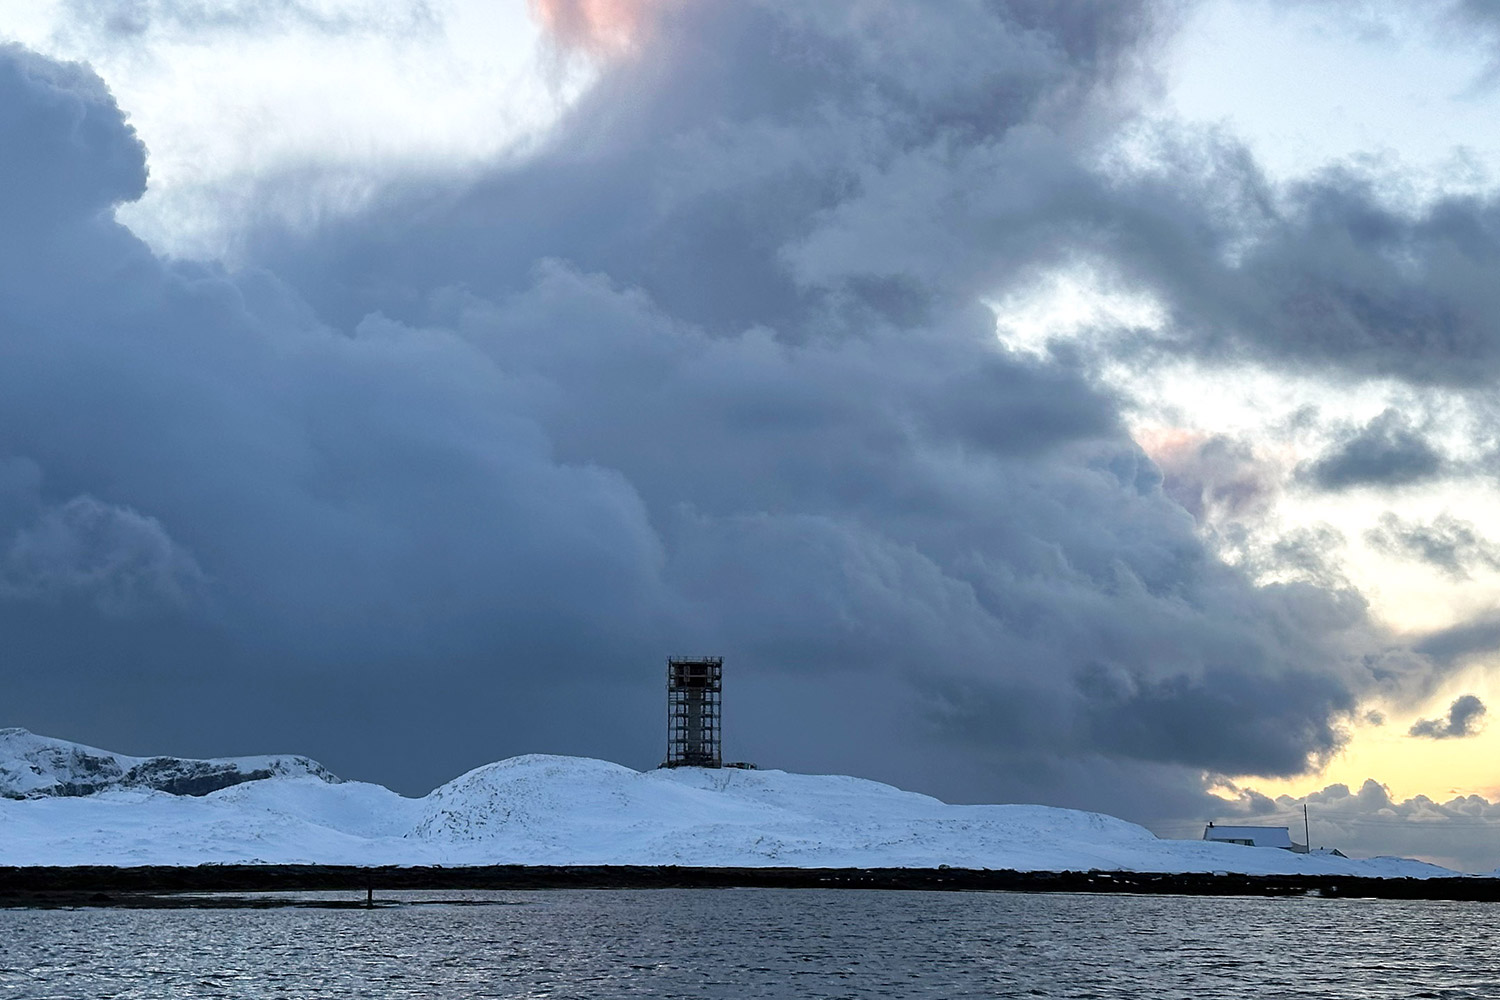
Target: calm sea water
(762, 943)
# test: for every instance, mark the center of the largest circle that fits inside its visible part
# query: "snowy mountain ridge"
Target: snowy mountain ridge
(549, 810)
(33, 766)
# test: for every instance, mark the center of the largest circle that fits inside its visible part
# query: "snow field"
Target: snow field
(573, 811)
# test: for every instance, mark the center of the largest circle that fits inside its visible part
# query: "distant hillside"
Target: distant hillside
(73, 805)
(34, 766)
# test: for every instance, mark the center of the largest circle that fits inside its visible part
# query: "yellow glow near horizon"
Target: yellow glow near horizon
(1408, 765)
(1181, 404)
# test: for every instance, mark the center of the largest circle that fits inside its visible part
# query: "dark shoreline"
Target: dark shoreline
(156, 887)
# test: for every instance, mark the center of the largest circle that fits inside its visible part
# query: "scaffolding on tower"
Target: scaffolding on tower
(694, 699)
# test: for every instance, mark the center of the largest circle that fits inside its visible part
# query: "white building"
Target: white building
(1254, 836)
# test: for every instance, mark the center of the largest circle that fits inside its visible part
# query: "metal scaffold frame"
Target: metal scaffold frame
(695, 688)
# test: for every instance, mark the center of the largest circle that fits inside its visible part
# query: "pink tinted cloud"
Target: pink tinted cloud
(599, 27)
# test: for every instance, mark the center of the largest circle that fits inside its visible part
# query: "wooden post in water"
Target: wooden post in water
(369, 897)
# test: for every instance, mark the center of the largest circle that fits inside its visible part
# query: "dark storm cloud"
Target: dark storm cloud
(121, 561)
(1460, 642)
(1388, 451)
(1448, 543)
(1204, 722)
(78, 158)
(1327, 274)
(787, 164)
(364, 498)
(1463, 720)
(707, 372)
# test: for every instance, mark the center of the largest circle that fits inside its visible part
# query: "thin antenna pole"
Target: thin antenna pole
(1306, 836)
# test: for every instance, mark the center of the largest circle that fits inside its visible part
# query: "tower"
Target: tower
(694, 694)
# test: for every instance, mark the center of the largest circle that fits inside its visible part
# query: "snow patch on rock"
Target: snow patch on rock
(33, 766)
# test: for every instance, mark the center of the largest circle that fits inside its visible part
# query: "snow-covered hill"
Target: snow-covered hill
(567, 810)
(34, 766)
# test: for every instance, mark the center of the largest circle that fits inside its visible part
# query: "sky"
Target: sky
(1081, 403)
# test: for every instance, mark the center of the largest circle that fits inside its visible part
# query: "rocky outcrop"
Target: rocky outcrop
(34, 766)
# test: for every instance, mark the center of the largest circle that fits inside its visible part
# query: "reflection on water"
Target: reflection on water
(761, 943)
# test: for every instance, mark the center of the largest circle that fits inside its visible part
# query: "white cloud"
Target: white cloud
(334, 97)
(1307, 84)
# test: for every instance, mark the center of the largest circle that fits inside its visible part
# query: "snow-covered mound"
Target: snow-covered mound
(34, 766)
(563, 810)
(567, 810)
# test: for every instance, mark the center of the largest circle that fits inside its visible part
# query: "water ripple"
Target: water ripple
(760, 943)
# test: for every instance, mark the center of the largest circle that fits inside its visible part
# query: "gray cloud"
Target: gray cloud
(1463, 720)
(123, 20)
(1448, 543)
(1308, 553)
(1460, 642)
(1216, 478)
(122, 562)
(784, 165)
(1477, 14)
(709, 372)
(1473, 20)
(1333, 276)
(83, 157)
(1388, 451)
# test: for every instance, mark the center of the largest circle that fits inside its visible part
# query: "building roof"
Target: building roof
(1260, 836)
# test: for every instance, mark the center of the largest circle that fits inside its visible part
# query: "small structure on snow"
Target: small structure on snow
(695, 688)
(1254, 836)
(695, 692)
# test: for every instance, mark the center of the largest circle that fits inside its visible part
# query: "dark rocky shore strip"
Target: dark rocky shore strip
(222, 885)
